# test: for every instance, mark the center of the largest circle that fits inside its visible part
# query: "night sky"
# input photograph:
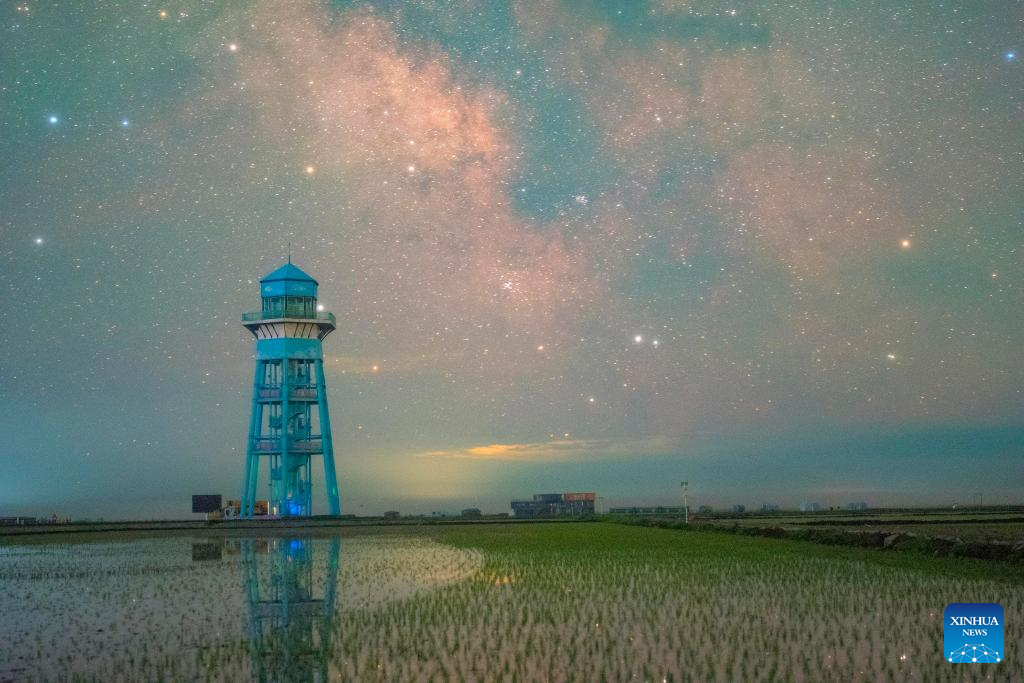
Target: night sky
(774, 249)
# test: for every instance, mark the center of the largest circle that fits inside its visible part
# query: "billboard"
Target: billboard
(206, 503)
(572, 497)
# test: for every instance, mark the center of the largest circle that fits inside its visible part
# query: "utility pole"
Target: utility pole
(686, 507)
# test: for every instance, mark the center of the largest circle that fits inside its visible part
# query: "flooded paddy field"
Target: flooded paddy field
(513, 602)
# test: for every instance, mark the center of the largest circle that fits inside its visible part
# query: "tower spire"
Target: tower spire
(289, 252)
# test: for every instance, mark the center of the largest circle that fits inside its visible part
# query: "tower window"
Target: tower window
(290, 306)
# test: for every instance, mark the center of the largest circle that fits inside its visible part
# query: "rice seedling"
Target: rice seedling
(567, 602)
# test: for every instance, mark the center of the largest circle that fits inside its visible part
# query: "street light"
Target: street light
(686, 507)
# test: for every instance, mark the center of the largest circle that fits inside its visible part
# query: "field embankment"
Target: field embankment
(986, 538)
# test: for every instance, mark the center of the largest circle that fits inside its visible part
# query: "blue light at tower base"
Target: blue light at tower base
(285, 430)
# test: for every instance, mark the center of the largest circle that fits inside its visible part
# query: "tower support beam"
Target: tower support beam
(330, 477)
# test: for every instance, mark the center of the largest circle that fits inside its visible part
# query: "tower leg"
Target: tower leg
(255, 464)
(250, 451)
(330, 476)
(285, 488)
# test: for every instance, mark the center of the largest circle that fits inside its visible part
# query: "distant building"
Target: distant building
(391, 514)
(769, 507)
(555, 505)
(739, 509)
(471, 513)
(17, 521)
(705, 509)
(858, 505)
(809, 507)
(648, 510)
(215, 508)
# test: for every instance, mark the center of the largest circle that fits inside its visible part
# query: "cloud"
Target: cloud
(562, 449)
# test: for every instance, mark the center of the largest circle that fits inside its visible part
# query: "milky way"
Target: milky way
(772, 249)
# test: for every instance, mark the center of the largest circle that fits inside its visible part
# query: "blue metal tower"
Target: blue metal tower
(289, 382)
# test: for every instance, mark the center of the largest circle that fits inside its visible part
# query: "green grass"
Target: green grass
(617, 541)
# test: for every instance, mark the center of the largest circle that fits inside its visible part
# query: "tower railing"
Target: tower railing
(256, 316)
(313, 444)
(273, 391)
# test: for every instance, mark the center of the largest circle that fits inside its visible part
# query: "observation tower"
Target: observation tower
(290, 423)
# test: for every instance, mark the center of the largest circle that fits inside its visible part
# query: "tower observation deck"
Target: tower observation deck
(290, 422)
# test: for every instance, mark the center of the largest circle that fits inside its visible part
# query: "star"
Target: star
(1010, 56)
(310, 170)
(638, 339)
(233, 47)
(39, 241)
(53, 119)
(904, 244)
(125, 123)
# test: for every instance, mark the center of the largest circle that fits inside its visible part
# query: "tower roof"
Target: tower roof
(288, 271)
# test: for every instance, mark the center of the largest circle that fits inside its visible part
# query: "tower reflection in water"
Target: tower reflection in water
(290, 606)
